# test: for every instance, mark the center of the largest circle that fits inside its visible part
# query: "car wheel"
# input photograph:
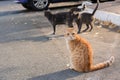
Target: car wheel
(94, 1)
(39, 4)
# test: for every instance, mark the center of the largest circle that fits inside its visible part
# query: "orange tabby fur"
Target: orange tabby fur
(81, 56)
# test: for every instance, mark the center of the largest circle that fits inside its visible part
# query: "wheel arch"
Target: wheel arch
(49, 1)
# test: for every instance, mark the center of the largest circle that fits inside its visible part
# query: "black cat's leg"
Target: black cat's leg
(78, 24)
(79, 27)
(91, 24)
(70, 24)
(54, 29)
(87, 25)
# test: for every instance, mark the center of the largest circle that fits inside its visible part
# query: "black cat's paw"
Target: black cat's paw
(90, 30)
(78, 32)
(53, 33)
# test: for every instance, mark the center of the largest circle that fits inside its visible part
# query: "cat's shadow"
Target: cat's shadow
(60, 75)
(42, 38)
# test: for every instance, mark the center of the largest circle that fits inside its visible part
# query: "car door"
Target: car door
(59, 0)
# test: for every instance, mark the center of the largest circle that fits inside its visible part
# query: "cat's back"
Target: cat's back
(86, 15)
(61, 15)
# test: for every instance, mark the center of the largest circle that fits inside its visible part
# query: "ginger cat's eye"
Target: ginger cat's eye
(73, 33)
(68, 34)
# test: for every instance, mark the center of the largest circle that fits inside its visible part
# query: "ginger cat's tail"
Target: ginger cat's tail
(103, 64)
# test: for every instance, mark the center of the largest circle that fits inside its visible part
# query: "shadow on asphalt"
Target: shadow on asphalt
(60, 75)
(7, 13)
(43, 38)
(114, 29)
(34, 39)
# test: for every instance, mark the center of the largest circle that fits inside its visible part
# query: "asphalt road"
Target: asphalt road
(29, 52)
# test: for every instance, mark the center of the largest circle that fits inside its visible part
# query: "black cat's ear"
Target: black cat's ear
(84, 7)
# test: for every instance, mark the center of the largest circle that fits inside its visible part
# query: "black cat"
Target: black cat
(62, 17)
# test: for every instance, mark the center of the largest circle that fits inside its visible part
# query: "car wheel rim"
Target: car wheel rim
(40, 4)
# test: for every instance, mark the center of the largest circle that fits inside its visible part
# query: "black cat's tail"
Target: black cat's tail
(96, 7)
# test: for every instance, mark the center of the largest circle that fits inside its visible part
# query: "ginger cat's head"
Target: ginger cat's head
(70, 34)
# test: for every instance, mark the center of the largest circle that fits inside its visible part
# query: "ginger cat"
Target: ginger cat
(81, 54)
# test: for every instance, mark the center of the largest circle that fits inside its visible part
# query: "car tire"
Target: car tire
(39, 4)
(27, 6)
(94, 1)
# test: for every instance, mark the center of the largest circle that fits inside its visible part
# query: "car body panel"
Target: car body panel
(22, 1)
(51, 1)
(41, 4)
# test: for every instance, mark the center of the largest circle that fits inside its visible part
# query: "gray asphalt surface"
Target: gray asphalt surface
(29, 52)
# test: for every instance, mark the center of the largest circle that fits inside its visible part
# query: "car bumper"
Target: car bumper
(21, 1)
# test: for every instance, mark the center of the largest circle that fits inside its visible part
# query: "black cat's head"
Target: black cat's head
(47, 13)
(76, 9)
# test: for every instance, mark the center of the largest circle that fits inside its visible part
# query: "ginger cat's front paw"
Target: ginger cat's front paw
(69, 66)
